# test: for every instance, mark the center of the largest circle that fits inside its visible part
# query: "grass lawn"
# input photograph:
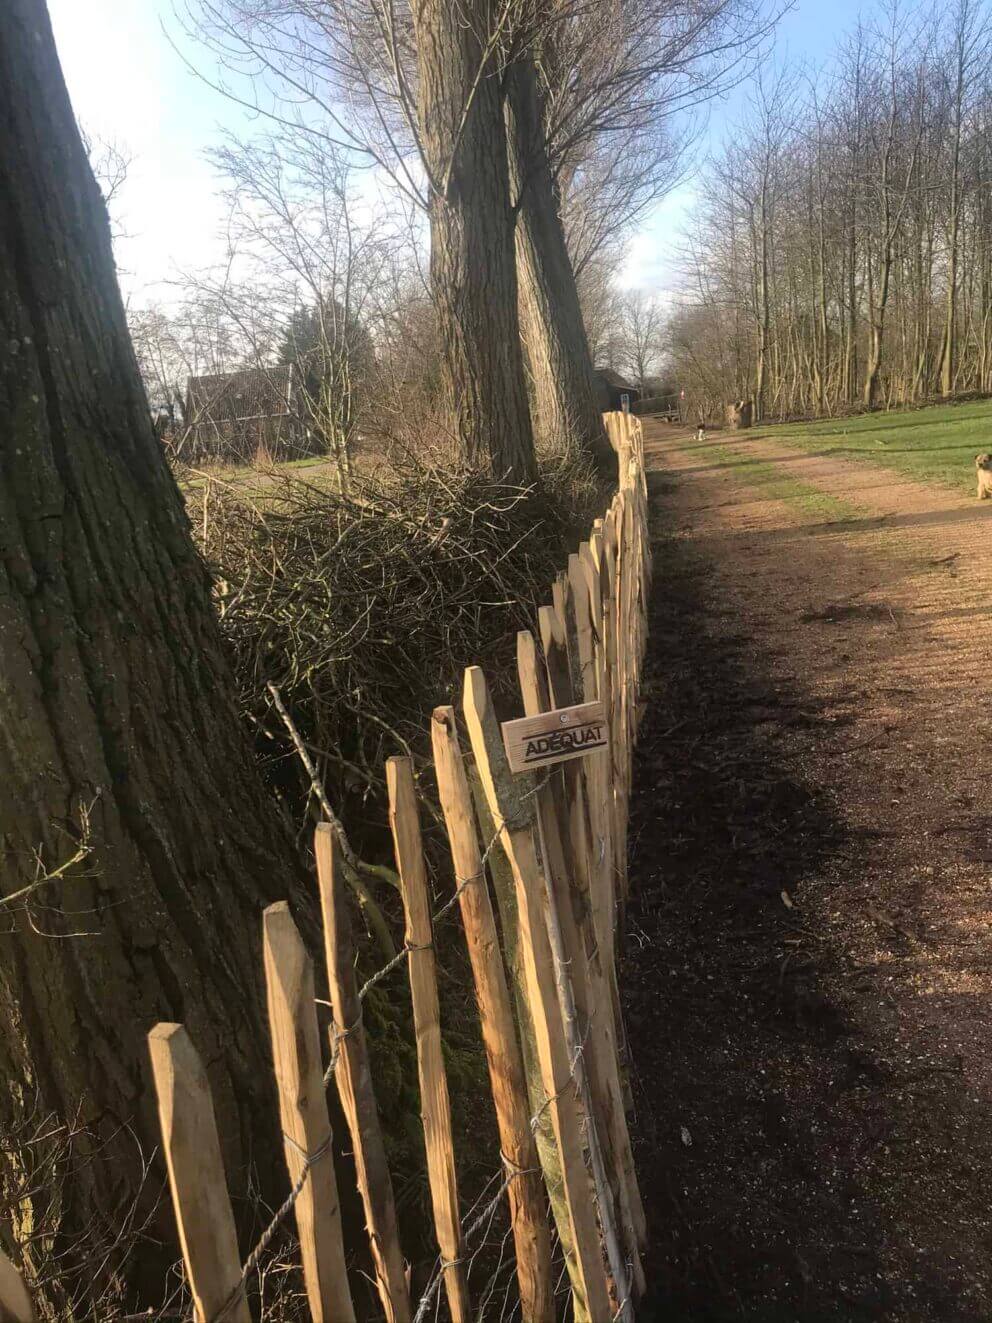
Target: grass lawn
(937, 444)
(250, 475)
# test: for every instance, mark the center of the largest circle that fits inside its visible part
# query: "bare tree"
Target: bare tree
(895, 139)
(592, 102)
(294, 236)
(473, 272)
(110, 161)
(591, 94)
(879, 287)
(417, 92)
(642, 332)
(970, 51)
(163, 361)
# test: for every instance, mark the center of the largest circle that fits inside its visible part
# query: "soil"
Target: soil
(808, 960)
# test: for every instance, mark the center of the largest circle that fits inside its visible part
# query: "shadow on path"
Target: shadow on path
(760, 1106)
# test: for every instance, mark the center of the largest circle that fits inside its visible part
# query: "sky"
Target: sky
(131, 86)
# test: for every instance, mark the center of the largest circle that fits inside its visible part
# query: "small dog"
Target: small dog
(701, 433)
(983, 466)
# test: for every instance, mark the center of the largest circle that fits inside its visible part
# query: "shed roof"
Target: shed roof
(239, 396)
(614, 379)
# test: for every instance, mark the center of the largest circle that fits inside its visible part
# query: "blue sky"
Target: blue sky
(806, 36)
(129, 85)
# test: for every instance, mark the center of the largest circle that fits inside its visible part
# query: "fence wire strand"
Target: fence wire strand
(337, 1035)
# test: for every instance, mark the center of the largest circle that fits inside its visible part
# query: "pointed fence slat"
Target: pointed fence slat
(306, 1125)
(561, 881)
(514, 816)
(354, 1081)
(577, 818)
(590, 554)
(584, 1024)
(528, 1214)
(435, 1106)
(196, 1175)
(595, 770)
(590, 989)
(608, 566)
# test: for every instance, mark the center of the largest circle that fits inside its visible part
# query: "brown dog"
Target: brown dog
(983, 466)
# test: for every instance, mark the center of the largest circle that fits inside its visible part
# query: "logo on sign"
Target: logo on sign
(564, 741)
(556, 736)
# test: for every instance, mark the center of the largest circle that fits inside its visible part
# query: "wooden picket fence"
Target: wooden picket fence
(562, 834)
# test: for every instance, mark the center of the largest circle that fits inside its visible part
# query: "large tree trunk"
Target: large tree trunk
(566, 408)
(764, 321)
(953, 220)
(116, 706)
(876, 320)
(473, 274)
(947, 361)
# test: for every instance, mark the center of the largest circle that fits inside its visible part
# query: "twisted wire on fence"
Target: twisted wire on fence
(507, 1172)
(337, 1035)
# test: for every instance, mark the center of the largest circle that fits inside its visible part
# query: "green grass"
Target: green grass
(936, 444)
(257, 484)
(772, 484)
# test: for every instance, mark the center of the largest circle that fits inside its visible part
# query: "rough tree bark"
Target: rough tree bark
(764, 312)
(473, 274)
(953, 221)
(116, 703)
(739, 415)
(566, 408)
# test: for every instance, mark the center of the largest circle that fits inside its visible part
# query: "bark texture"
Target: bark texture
(473, 274)
(566, 409)
(116, 701)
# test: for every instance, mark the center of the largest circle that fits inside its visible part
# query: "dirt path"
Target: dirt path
(809, 960)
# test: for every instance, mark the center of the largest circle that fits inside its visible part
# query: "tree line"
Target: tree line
(841, 255)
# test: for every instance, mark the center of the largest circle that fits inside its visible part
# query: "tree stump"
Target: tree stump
(739, 414)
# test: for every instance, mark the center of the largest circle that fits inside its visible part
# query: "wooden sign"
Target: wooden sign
(554, 737)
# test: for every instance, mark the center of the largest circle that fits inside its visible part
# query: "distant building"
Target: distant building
(239, 416)
(610, 387)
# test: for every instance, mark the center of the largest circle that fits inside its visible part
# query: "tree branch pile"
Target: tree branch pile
(363, 609)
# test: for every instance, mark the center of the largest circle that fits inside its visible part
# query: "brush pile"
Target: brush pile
(363, 609)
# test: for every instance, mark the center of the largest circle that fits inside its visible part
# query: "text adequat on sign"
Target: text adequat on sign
(554, 737)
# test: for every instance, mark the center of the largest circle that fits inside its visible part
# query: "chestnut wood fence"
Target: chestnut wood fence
(561, 834)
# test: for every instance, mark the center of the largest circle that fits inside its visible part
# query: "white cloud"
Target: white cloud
(129, 86)
(652, 259)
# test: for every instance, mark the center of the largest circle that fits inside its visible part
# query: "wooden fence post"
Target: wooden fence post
(506, 1068)
(435, 1107)
(354, 1081)
(590, 554)
(578, 818)
(600, 579)
(595, 772)
(613, 643)
(196, 1174)
(623, 626)
(306, 1126)
(15, 1303)
(616, 1178)
(514, 816)
(505, 894)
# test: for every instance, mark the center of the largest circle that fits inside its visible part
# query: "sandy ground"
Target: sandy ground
(809, 958)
